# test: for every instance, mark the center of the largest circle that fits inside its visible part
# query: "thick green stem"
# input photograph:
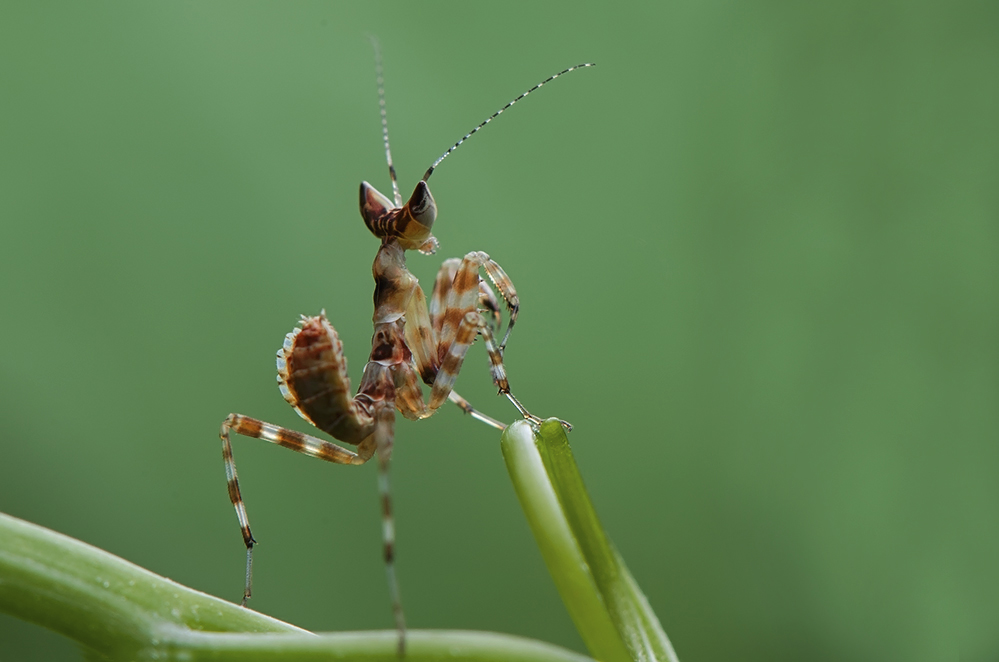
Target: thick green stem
(122, 611)
(609, 610)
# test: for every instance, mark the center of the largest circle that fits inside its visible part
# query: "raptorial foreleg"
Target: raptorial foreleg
(440, 294)
(489, 306)
(506, 289)
(456, 320)
(409, 397)
(459, 288)
(474, 323)
(423, 325)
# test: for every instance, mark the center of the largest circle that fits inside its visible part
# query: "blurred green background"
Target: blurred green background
(756, 249)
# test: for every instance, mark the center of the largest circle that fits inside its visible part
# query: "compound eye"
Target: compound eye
(373, 203)
(422, 206)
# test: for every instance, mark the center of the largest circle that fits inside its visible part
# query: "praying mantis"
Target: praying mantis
(414, 341)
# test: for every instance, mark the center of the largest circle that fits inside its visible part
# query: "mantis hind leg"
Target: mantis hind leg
(296, 441)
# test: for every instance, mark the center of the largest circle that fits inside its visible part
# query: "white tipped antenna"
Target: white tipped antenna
(489, 119)
(380, 78)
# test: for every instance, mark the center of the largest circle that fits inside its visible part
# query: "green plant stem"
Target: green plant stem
(612, 615)
(122, 611)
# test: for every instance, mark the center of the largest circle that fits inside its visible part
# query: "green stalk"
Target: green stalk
(609, 610)
(120, 611)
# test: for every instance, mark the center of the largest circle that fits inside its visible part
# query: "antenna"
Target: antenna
(380, 79)
(489, 119)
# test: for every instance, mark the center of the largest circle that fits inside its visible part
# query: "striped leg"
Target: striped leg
(409, 398)
(487, 298)
(423, 325)
(457, 290)
(384, 437)
(506, 289)
(296, 441)
(489, 306)
(461, 298)
(441, 292)
(473, 324)
(459, 287)
(474, 413)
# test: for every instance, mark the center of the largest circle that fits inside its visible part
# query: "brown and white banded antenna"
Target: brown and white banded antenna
(380, 78)
(489, 119)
